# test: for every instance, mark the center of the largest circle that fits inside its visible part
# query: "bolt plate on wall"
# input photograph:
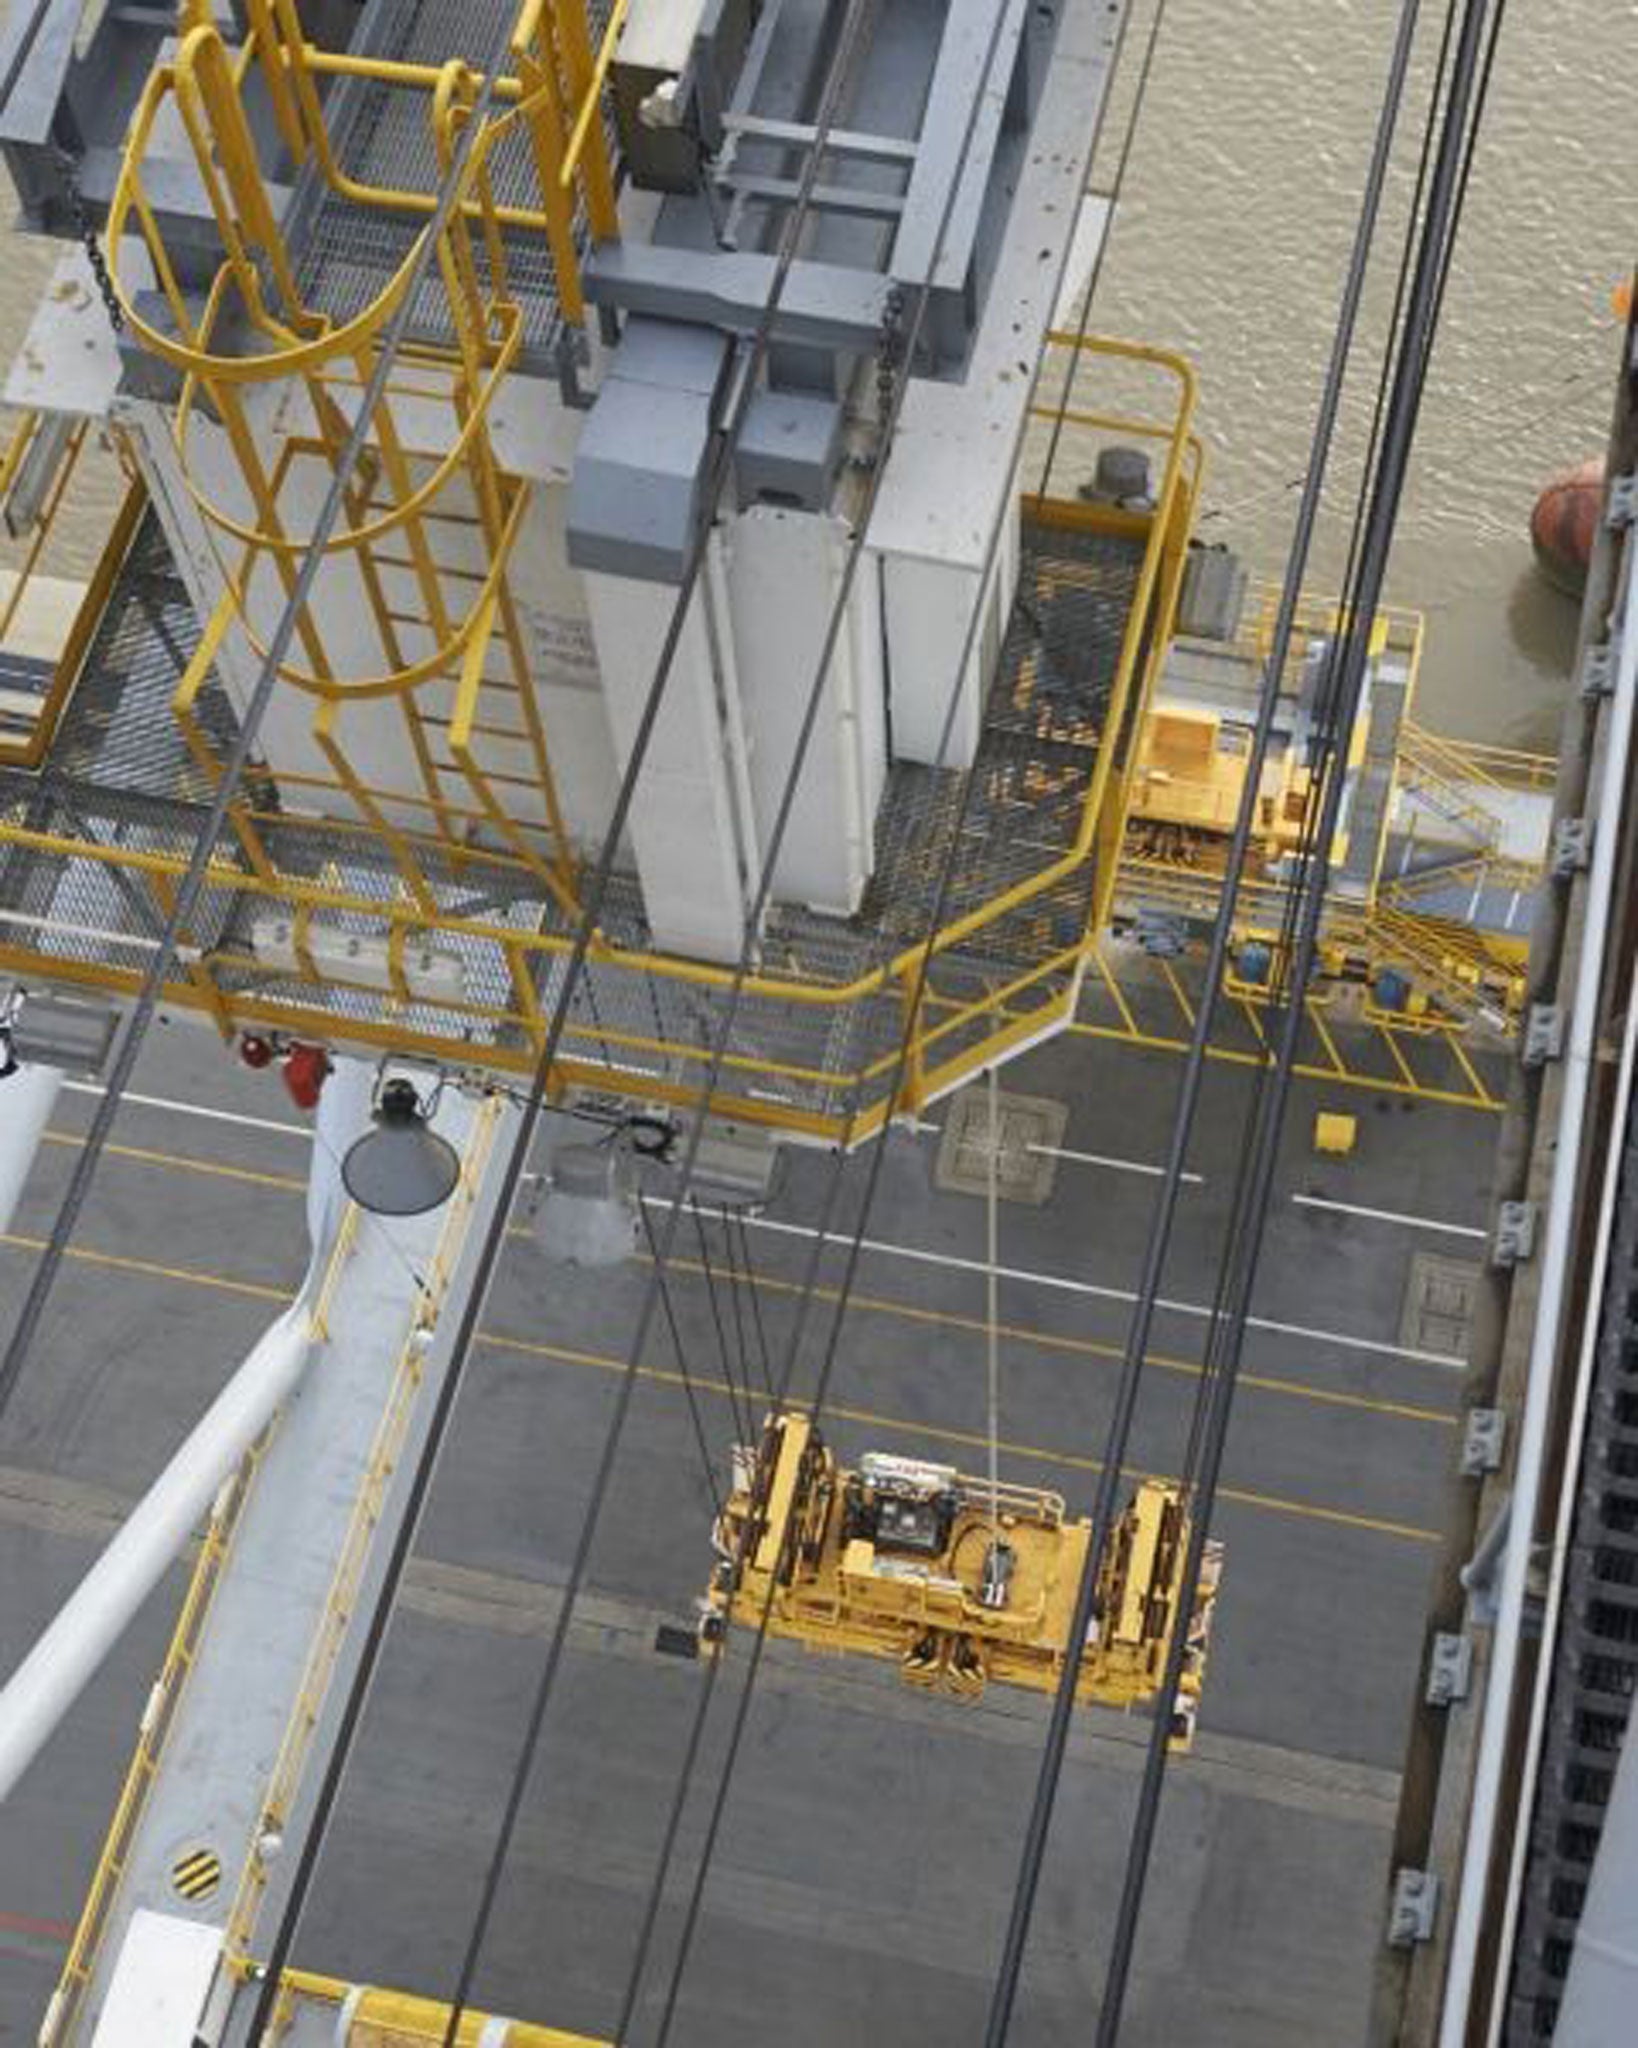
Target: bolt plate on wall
(1024, 1172)
(1438, 1304)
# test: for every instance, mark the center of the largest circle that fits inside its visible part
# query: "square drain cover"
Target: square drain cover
(1023, 1173)
(1438, 1304)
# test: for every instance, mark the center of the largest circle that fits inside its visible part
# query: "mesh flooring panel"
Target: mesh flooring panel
(121, 775)
(117, 732)
(348, 251)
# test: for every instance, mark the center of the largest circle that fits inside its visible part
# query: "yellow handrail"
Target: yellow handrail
(875, 979)
(29, 750)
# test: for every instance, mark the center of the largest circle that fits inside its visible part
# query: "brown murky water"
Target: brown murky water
(1230, 244)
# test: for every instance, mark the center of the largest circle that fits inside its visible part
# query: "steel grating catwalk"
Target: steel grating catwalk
(346, 250)
(1595, 1656)
(120, 774)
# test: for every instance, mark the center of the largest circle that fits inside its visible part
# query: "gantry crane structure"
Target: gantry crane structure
(588, 605)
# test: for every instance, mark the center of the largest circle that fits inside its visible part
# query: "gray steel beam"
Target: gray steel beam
(839, 142)
(823, 306)
(852, 199)
(961, 73)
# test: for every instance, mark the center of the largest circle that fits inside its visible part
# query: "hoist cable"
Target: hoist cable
(1472, 59)
(736, 1394)
(992, 1308)
(1323, 742)
(842, 588)
(1157, 1245)
(842, 1298)
(764, 1356)
(736, 1302)
(679, 1352)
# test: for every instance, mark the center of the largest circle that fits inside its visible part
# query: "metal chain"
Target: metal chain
(890, 353)
(68, 171)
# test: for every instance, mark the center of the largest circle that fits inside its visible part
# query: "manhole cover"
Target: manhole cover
(1030, 1128)
(197, 1874)
(1438, 1304)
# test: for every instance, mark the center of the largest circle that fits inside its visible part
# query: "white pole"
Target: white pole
(95, 1615)
(27, 1098)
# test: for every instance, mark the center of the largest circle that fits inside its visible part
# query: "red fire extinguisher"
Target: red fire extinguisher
(305, 1069)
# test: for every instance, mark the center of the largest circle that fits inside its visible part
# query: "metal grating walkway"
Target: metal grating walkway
(1595, 1658)
(347, 250)
(120, 775)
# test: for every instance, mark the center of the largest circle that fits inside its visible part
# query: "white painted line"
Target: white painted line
(220, 1116)
(1109, 1159)
(1032, 1277)
(1118, 1165)
(1390, 1216)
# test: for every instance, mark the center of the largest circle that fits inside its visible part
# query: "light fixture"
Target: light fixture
(402, 1167)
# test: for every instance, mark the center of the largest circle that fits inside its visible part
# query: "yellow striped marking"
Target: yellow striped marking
(187, 1276)
(285, 1182)
(933, 1432)
(197, 1874)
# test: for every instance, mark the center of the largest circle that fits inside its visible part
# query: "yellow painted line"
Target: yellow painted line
(1144, 1041)
(286, 1183)
(1091, 1347)
(188, 1276)
(1020, 1333)
(933, 1432)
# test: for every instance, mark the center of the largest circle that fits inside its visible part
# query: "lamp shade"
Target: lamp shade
(402, 1167)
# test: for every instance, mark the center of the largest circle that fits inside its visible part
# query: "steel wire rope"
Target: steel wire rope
(1117, 1436)
(855, 1244)
(1311, 841)
(843, 1293)
(191, 888)
(690, 1395)
(1326, 742)
(992, 1301)
(1209, 1420)
(1323, 739)
(1474, 56)
(420, 1479)
(764, 1355)
(738, 1395)
(736, 1301)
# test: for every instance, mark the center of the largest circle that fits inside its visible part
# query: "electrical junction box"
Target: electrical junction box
(1213, 596)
